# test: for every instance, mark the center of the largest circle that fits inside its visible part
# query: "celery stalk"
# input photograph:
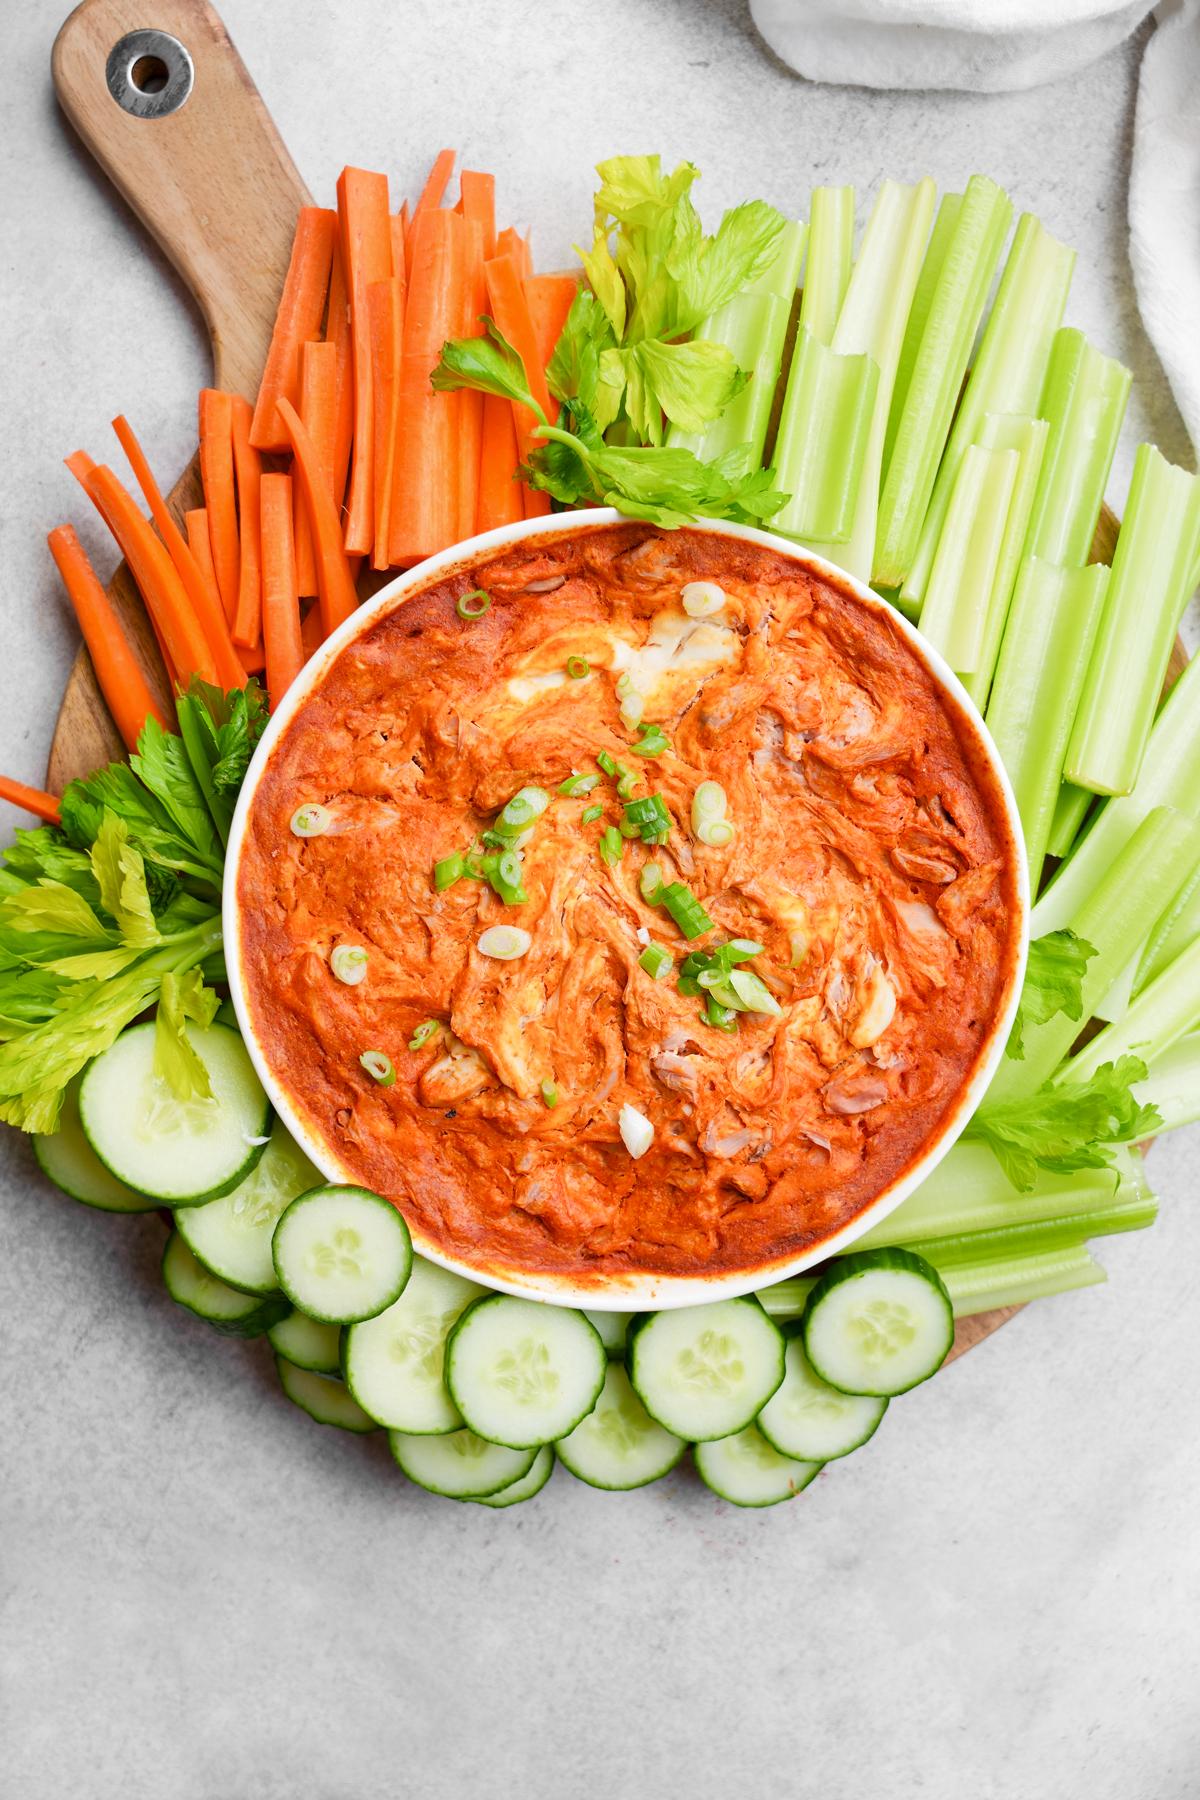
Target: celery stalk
(1007, 431)
(781, 277)
(982, 1287)
(1179, 924)
(1170, 776)
(1051, 628)
(1152, 565)
(871, 323)
(830, 254)
(752, 327)
(822, 440)
(1038, 1235)
(1118, 912)
(1162, 1013)
(1009, 371)
(1173, 1084)
(1069, 815)
(947, 307)
(787, 1299)
(969, 1192)
(965, 565)
(1084, 401)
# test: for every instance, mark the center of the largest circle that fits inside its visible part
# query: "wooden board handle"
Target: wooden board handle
(211, 181)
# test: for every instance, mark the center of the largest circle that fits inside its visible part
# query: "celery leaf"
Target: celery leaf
(1053, 984)
(1067, 1125)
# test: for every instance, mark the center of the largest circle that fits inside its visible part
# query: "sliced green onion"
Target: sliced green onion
(605, 762)
(627, 781)
(685, 909)
(633, 704)
(716, 833)
(423, 1033)
(549, 1095)
(628, 829)
(612, 846)
(449, 870)
(505, 878)
(378, 1067)
(349, 964)
(590, 814)
(526, 805)
(311, 821)
(650, 883)
(473, 605)
(708, 815)
(648, 818)
(503, 942)
(753, 993)
(656, 961)
(575, 785)
(578, 667)
(721, 1018)
(654, 741)
(701, 599)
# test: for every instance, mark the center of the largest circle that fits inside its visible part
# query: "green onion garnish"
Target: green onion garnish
(627, 782)
(708, 815)
(685, 909)
(612, 846)
(423, 1033)
(578, 667)
(721, 1018)
(753, 993)
(549, 1095)
(575, 785)
(628, 829)
(605, 761)
(504, 876)
(656, 961)
(449, 870)
(473, 605)
(526, 805)
(590, 814)
(649, 817)
(378, 1067)
(654, 741)
(311, 821)
(650, 883)
(349, 964)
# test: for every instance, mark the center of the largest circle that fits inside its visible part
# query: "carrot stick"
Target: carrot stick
(337, 333)
(157, 579)
(385, 304)
(424, 504)
(247, 621)
(509, 242)
(499, 501)
(435, 187)
(338, 598)
(511, 313)
(470, 404)
(281, 602)
(80, 465)
(253, 660)
(203, 593)
(200, 544)
(399, 228)
(216, 474)
(301, 309)
(312, 632)
(549, 298)
(479, 203)
(366, 238)
(318, 413)
(118, 671)
(32, 800)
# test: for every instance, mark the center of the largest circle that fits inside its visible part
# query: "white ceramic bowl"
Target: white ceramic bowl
(641, 1291)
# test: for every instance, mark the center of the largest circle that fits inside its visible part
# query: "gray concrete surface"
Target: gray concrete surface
(205, 1597)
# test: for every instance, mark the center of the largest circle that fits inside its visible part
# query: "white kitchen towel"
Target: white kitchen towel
(988, 46)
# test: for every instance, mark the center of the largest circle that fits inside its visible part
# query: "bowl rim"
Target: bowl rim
(639, 1291)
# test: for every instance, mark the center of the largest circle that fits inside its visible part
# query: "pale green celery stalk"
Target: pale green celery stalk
(1039, 1234)
(1163, 1012)
(1180, 923)
(1009, 371)
(871, 323)
(830, 255)
(1069, 814)
(947, 307)
(981, 1287)
(822, 440)
(781, 277)
(1084, 402)
(969, 1192)
(1173, 1084)
(1048, 639)
(1152, 566)
(1170, 776)
(752, 327)
(965, 566)
(1007, 431)
(1119, 911)
(787, 1299)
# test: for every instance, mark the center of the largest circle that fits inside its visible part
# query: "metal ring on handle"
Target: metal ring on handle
(149, 74)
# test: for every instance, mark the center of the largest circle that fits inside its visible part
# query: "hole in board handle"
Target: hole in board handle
(149, 74)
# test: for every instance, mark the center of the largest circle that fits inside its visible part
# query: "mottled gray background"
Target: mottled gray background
(206, 1597)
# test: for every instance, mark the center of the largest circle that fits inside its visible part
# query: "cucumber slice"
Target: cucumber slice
(613, 1329)
(68, 1160)
(307, 1343)
(232, 1235)
(177, 1152)
(748, 1471)
(527, 1487)
(808, 1419)
(619, 1446)
(878, 1323)
(522, 1373)
(705, 1371)
(395, 1363)
(341, 1254)
(327, 1401)
(235, 1314)
(460, 1465)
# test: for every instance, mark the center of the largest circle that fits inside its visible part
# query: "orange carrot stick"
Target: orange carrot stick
(205, 598)
(385, 303)
(301, 309)
(479, 203)
(117, 669)
(82, 466)
(312, 632)
(281, 601)
(549, 298)
(337, 333)
(399, 227)
(470, 404)
(338, 598)
(253, 660)
(200, 544)
(247, 621)
(499, 501)
(509, 242)
(31, 800)
(424, 504)
(435, 186)
(216, 474)
(366, 238)
(318, 412)
(511, 313)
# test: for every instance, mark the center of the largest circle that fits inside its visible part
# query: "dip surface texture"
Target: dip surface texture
(871, 858)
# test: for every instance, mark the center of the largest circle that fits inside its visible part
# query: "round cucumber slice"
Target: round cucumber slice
(327, 1401)
(523, 1373)
(232, 1235)
(619, 1446)
(808, 1419)
(459, 1464)
(67, 1159)
(878, 1322)
(748, 1471)
(307, 1343)
(228, 1310)
(176, 1152)
(613, 1328)
(705, 1371)
(395, 1363)
(527, 1487)
(341, 1254)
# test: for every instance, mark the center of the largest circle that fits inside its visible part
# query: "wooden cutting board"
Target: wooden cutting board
(216, 189)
